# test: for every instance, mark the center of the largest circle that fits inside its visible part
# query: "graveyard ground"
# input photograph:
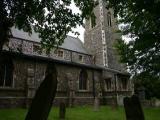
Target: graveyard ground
(81, 113)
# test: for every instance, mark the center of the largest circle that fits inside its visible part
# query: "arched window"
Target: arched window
(108, 83)
(6, 72)
(124, 83)
(83, 80)
(109, 19)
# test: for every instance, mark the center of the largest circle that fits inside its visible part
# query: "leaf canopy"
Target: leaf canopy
(52, 19)
(142, 23)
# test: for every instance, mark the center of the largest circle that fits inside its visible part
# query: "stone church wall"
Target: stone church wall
(29, 73)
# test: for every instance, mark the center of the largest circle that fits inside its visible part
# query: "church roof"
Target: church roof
(70, 43)
(75, 44)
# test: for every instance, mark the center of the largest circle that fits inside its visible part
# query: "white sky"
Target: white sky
(79, 29)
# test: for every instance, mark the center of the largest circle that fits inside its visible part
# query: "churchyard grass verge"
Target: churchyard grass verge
(81, 113)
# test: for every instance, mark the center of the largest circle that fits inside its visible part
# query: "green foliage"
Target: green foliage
(151, 84)
(142, 22)
(52, 19)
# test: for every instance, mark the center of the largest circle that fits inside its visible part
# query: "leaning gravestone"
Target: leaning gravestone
(128, 108)
(133, 108)
(42, 102)
(62, 111)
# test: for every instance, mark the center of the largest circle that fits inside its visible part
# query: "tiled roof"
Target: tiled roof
(24, 35)
(74, 44)
(70, 43)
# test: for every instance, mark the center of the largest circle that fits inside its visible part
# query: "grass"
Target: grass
(81, 113)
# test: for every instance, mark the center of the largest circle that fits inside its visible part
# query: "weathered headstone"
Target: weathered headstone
(133, 108)
(96, 104)
(114, 104)
(141, 93)
(42, 102)
(71, 89)
(62, 111)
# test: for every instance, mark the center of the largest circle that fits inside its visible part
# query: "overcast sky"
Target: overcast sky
(79, 29)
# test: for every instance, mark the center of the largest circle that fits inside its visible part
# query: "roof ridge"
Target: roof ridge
(76, 38)
(73, 37)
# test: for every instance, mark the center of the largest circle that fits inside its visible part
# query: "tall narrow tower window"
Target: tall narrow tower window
(92, 22)
(109, 20)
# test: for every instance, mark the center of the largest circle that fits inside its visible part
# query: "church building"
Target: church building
(85, 71)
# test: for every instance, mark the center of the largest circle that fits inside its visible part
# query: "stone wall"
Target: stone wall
(29, 73)
(151, 103)
(33, 48)
(12, 102)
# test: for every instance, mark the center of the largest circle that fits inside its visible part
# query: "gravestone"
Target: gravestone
(133, 108)
(42, 102)
(141, 93)
(96, 104)
(62, 111)
(71, 89)
(114, 104)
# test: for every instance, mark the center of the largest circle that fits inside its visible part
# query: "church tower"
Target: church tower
(100, 39)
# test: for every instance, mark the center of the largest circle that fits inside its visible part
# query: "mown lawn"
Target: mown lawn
(81, 113)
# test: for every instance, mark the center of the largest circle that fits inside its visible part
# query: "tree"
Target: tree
(52, 19)
(141, 21)
(150, 83)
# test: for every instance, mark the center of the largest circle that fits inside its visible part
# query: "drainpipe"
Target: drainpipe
(71, 56)
(93, 80)
(116, 94)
